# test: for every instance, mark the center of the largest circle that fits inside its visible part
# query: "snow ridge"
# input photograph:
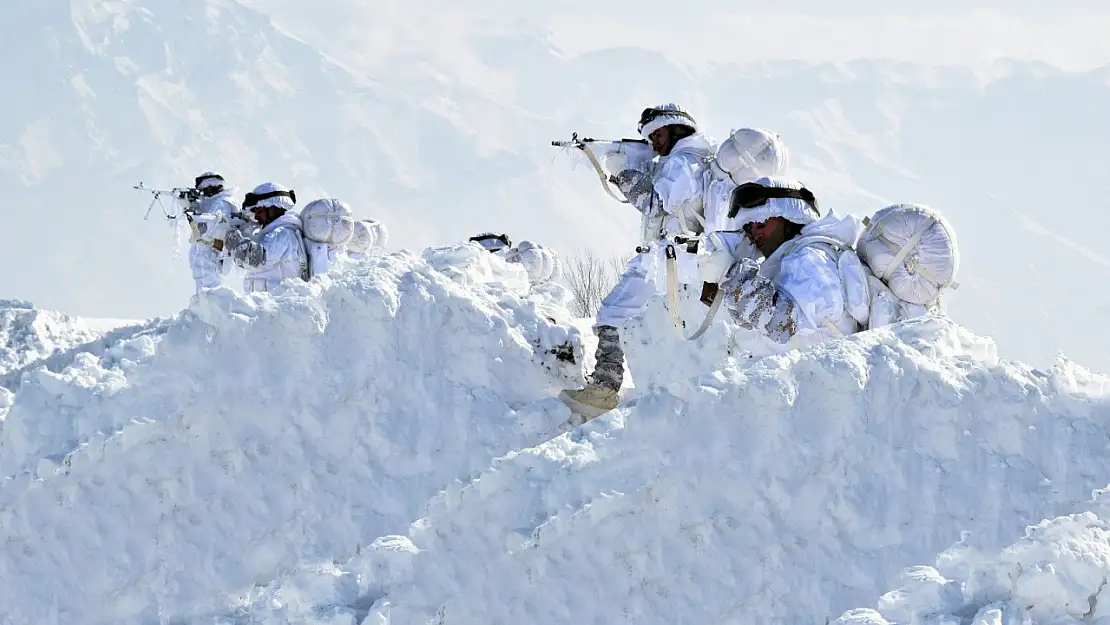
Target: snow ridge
(28, 334)
(107, 344)
(781, 490)
(182, 467)
(234, 465)
(1055, 573)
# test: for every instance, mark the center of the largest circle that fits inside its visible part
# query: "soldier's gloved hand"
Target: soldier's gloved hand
(240, 220)
(627, 180)
(636, 186)
(233, 239)
(713, 265)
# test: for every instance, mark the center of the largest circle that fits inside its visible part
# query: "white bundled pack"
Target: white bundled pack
(328, 221)
(369, 235)
(912, 249)
(541, 263)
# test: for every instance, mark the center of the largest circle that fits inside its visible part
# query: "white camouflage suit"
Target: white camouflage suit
(669, 193)
(275, 251)
(797, 295)
(209, 224)
(667, 198)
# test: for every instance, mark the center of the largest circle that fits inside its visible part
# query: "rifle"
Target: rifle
(188, 195)
(575, 142)
(638, 148)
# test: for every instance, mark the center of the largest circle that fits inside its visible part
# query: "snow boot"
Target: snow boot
(603, 391)
(590, 402)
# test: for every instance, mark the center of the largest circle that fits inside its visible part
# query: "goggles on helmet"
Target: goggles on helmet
(481, 239)
(254, 198)
(200, 179)
(753, 195)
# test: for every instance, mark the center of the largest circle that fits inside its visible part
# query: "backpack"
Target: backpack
(369, 235)
(327, 224)
(905, 258)
(328, 221)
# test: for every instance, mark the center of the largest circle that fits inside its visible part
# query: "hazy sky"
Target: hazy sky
(1069, 34)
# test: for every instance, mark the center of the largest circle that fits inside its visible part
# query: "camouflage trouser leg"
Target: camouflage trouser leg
(609, 371)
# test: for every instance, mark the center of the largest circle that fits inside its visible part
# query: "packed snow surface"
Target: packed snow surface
(1056, 574)
(179, 467)
(383, 446)
(28, 334)
(781, 490)
(31, 338)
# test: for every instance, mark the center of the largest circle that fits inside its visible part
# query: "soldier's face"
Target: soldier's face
(261, 214)
(661, 141)
(768, 235)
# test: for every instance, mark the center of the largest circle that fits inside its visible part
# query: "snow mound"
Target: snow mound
(1056, 573)
(28, 334)
(187, 463)
(113, 336)
(781, 490)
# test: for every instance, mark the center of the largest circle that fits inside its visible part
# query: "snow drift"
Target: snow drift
(31, 337)
(1056, 573)
(187, 463)
(779, 490)
(112, 338)
(383, 446)
(28, 334)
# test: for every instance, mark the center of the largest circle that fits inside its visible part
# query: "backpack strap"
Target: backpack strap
(331, 226)
(906, 248)
(818, 238)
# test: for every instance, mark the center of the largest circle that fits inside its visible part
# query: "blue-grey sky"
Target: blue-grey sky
(1069, 34)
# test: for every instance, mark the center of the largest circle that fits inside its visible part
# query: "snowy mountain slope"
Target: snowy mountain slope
(987, 145)
(252, 433)
(1055, 573)
(786, 490)
(159, 90)
(437, 119)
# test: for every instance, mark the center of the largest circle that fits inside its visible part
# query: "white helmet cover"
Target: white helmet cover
(270, 194)
(670, 114)
(207, 180)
